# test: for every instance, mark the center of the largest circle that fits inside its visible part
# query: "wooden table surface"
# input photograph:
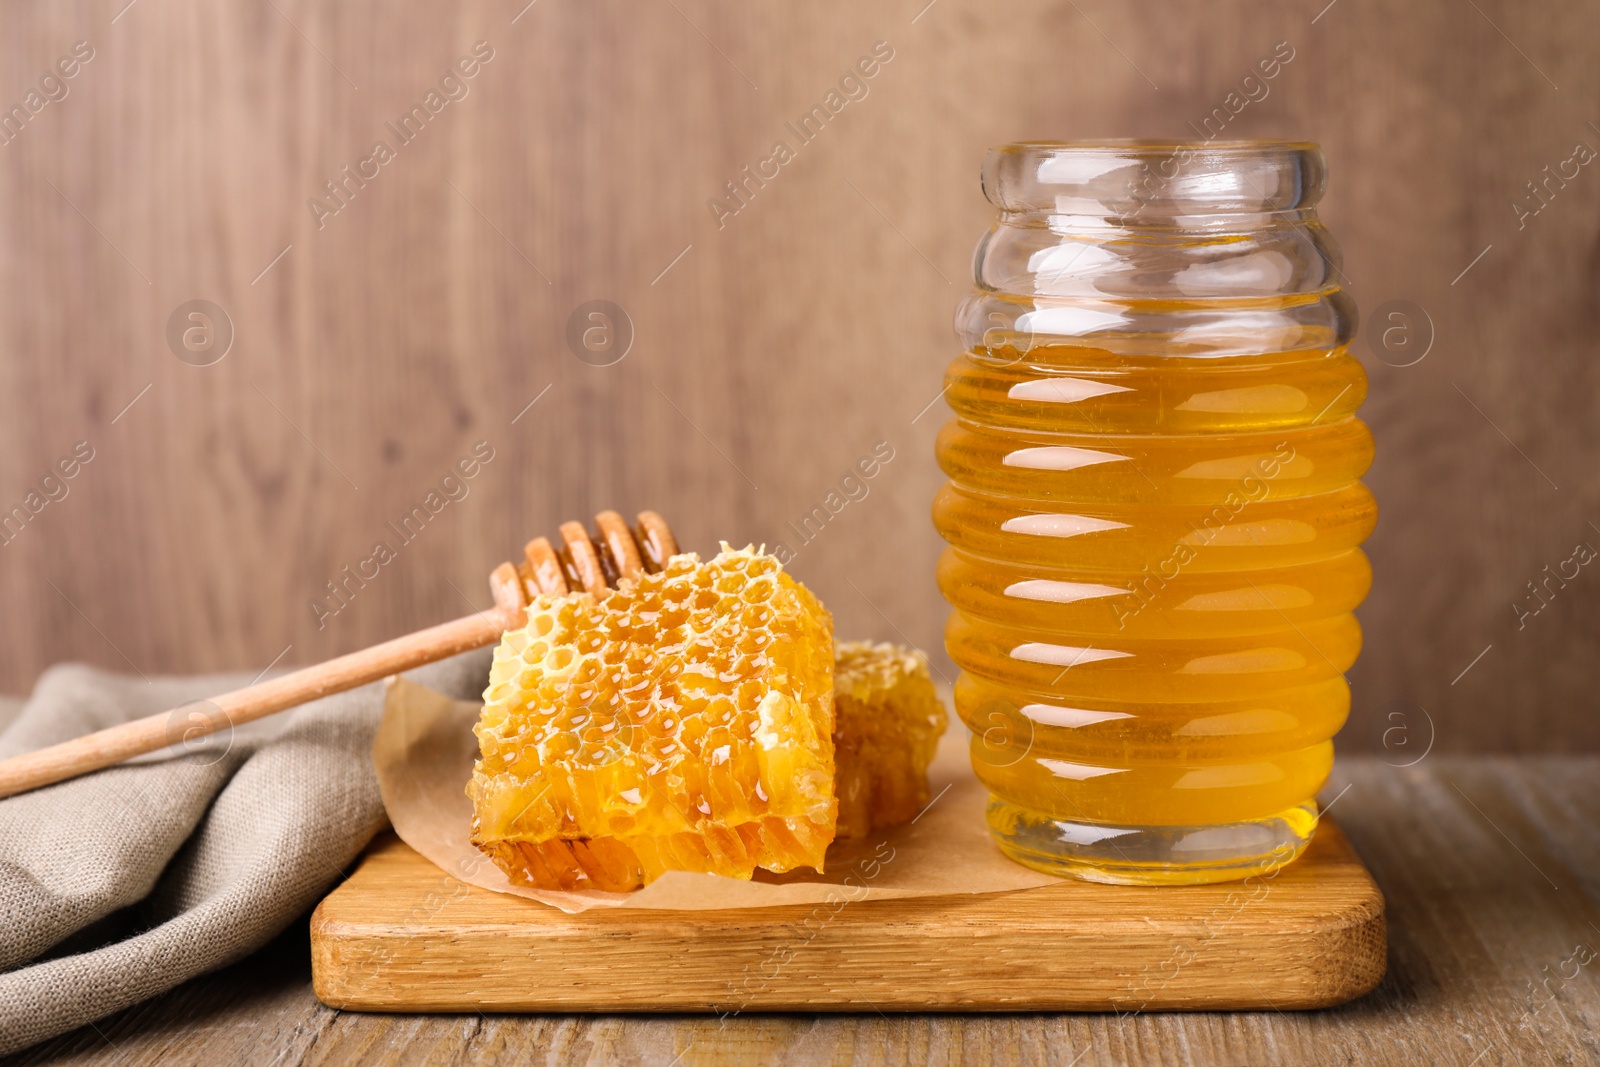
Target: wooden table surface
(1491, 867)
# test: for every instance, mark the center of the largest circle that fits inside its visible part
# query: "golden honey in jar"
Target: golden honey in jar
(1154, 508)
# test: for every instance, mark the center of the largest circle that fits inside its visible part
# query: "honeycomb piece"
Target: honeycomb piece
(682, 721)
(888, 720)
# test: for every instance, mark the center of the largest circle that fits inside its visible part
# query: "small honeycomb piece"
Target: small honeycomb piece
(682, 721)
(888, 723)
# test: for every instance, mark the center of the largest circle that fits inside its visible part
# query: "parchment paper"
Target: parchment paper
(424, 753)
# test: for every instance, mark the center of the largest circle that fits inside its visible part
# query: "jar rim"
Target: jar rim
(1155, 177)
(1157, 146)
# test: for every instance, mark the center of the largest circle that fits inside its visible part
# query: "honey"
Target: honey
(682, 721)
(1154, 507)
(695, 719)
(887, 723)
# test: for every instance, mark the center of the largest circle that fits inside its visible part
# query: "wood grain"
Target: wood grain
(400, 935)
(1488, 866)
(429, 312)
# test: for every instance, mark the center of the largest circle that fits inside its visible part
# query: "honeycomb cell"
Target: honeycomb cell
(682, 721)
(888, 720)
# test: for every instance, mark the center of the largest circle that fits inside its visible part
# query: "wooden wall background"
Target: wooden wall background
(769, 354)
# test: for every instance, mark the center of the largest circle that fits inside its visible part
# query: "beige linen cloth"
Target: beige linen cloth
(123, 884)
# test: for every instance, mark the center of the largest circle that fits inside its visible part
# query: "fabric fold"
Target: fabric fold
(209, 852)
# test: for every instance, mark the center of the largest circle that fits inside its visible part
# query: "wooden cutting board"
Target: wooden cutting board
(401, 935)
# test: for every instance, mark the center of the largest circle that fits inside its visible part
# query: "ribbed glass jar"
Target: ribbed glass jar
(1153, 507)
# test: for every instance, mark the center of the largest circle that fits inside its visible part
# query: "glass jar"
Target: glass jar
(1153, 507)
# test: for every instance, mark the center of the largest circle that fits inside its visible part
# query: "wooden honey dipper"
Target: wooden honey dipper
(589, 563)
